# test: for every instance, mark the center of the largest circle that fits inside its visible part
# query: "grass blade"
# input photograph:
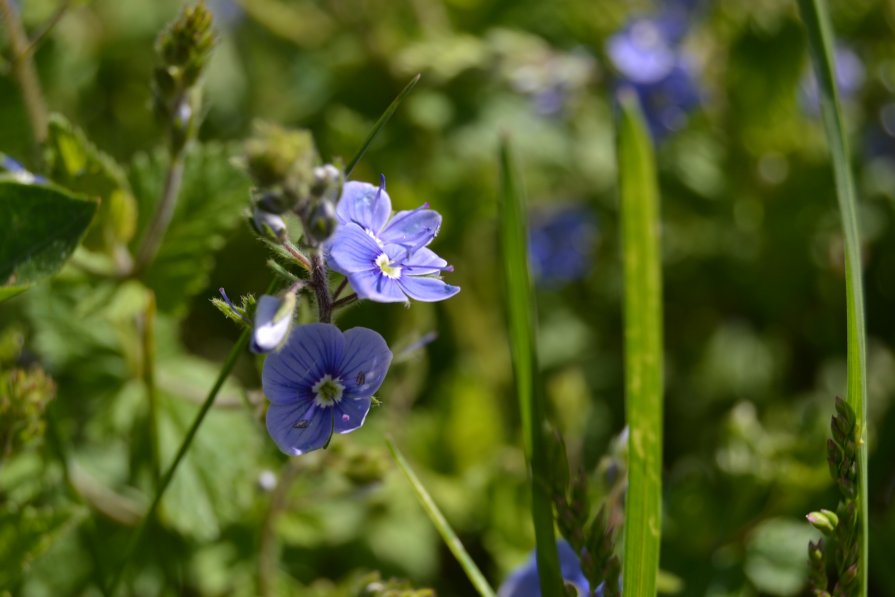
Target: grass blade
(520, 307)
(383, 120)
(820, 41)
(444, 529)
(643, 348)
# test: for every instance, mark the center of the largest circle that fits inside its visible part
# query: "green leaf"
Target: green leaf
(643, 348)
(521, 312)
(27, 533)
(210, 205)
(39, 228)
(820, 41)
(76, 164)
(444, 528)
(383, 120)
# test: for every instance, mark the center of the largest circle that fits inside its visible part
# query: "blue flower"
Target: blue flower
(650, 61)
(18, 171)
(524, 581)
(849, 80)
(322, 382)
(273, 319)
(386, 260)
(561, 244)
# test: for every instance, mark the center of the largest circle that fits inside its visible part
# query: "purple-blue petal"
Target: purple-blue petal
(300, 427)
(413, 228)
(350, 413)
(311, 351)
(375, 286)
(366, 205)
(424, 261)
(365, 362)
(524, 581)
(427, 290)
(352, 249)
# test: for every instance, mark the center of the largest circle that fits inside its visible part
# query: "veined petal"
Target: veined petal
(376, 286)
(428, 290)
(352, 249)
(351, 413)
(366, 205)
(311, 351)
(413, 228)
(365, 362)
(424, 261)
(300, 427)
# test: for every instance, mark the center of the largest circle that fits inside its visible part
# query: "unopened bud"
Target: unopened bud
(273, 320)
(322, 221)
(270, 226)
(822, 522)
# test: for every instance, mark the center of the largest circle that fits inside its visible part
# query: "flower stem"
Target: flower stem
(24, 72)
(147, 325)
(163, 214)
(345, 301)
(268, 556)
(320, 283)
(234, 355)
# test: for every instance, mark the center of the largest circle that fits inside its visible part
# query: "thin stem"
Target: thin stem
(340, 288)
(163, 214)
(320, 283)
(24, 72)
(38, 38)
(345, 301)
(147, 330)
(268, 555)
(299, 257)
(234, 355)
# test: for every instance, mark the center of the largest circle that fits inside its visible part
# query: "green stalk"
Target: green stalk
(643, 348)
(383, 120)
(444, 529)
(234, 355)
(521, 310)
(820, 42)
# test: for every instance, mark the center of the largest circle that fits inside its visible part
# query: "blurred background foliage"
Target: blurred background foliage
(754, 293)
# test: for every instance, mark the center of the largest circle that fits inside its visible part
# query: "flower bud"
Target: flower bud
(273, 319)
(268, 225)
(322, 222)
(281, 158)
(328, 181)
(822, 522)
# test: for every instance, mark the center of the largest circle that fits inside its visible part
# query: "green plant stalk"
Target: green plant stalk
(639, 208)
(444, 528)
(820, 41)
(155, 234)
(521, 311)
(148, 348)
(25, 74)
(234, 355)
(383, 120)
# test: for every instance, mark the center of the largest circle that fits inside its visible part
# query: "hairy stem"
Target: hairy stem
(163, 214)
(24, 72)
(320, 283)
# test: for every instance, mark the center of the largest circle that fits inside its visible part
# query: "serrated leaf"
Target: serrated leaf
(210, 204)
(26, 534)
(39, 228)
(75, 163)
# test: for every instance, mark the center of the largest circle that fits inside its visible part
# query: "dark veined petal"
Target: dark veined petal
(352, 249)
(424, 261)
(311, 351)
(365, 205)
(427, 289)
(350, 413)
(376, 286)
(300, 427)
(365, 362)
(412, 229)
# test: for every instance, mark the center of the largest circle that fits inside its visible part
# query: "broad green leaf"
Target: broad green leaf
(521, 315)
(76, 164)
(643, 348)
(210, 204)
(28, 532)
(40, 226)
(820, 42)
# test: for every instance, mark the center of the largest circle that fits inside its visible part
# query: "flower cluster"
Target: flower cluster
(650, 59)
(318, 379)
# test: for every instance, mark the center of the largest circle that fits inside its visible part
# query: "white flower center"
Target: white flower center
(385, 265)
(327, 391)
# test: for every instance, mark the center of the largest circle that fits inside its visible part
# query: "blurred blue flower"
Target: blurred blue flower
(561, 244)
(850, 77)
(273, 320)
(524, 581)
(322, 382)
(649, 60)
(18, 171)
(386, 260)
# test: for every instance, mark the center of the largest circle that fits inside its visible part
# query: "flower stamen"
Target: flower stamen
(327, 391)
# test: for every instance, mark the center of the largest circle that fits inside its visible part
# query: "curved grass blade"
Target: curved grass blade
(444, 529)
(643, 348)
(820, 41)
(520, 306)
(386, 116)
